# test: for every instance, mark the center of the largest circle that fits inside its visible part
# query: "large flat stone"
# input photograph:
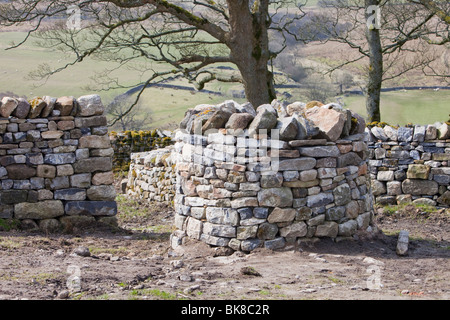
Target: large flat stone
(102, 164)
(299, 164)
(320, 151)
(72, 194)
(275, 197)
(420, 187)
(91, 208)
(39, 210)
(20, 172)
(94, 142)
(282, 215)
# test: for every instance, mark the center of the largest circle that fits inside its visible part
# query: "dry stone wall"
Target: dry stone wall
(152, 176)
(272, 176)
(410, 164)
(55, 162)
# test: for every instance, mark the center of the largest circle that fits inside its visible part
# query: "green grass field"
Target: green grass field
(402, 107)
(169, 105)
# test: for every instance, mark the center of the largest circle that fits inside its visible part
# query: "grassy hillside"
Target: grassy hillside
(402, 107)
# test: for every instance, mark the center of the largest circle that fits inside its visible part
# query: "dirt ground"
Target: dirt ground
(135, 261)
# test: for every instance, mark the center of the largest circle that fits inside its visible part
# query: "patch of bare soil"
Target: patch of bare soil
(135, 261)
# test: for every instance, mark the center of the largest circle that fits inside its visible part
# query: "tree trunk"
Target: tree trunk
(375, 69)
(249, 49)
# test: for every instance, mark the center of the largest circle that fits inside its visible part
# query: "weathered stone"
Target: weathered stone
(299, 164)
(321, 199)
(82, 180)
(443, 131)
(39, 210)
(217, 120)
(301, 184)
(352, 209)
(295, 230)
(6, 211)
(214, 241)
(239, 121)
(405, 134)
(329, 121)
(347, 228)
(68, 223)
(430, 132)
(348, 159)
(94, 121)
(420, 187)
(58, 183)
(50, 105)
(70, 194)
(102, 164)
(402, 243)
(320, 151)
(391, 133)
(394, 188)
(267, 231)
(103, 178)
(424, 201)
(444, 198)
(418, 171)
(335, 213)
(275, 244)
(419, 133)
(13, 196)
(378, 187)
(22, 110)
(20, 171)
(385, 176)
(101, 193)
(327, 229)
(7, 106)
(59, 158)
(272, 181)
(49, 225)
(264, 120)
(37, 105)
(46, 171)
(379, 133)
(246, 232)
(364, 220)
(342, 194)
(65, 105)
(220, 230)
(64, 170)
(90, 105)
(275, 197)
(94, 142)
(282, 215)
(227, 216)
(295, 107)
(250, 244)
(288, 128)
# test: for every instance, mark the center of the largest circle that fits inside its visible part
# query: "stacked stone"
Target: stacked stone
(128, 142)
(55, 162)
(269, 177)
(152, 176)
(410, 164)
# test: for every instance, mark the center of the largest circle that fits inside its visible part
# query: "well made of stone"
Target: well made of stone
(277, 175)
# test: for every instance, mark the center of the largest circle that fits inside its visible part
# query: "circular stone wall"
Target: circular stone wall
(269, 177)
